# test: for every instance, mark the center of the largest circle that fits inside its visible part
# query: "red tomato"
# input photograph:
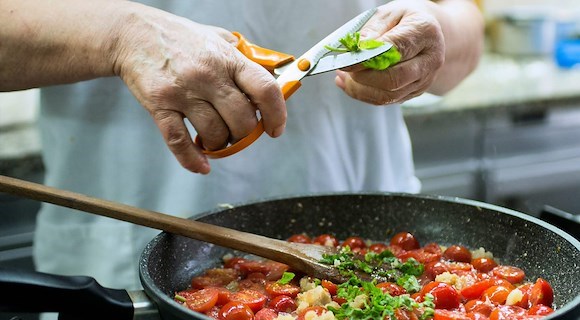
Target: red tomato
(507, 313)
(475, 290)
(203, 300)
(266, 314)
(234, 262)
(300, 238)
(283, 304)
(331, 287)
(445, 296)
(254, 281)
(405, 240)
(391, 288)
(484, 264)
(542, 293)
(326, 240)
(235, 311)
(419, 255)
(433, 248)
(318, 310)
(277, 289)
(511, 274)
(496, 294)
(395, 250)
(186, 293)
(403, 314)
(252, 298)
(476, 316)
(443, 314)
(354, 243)
(378, 247)
(223, 295)
(215, 278)
(457, 253)
(479, 306)
(503, 283)
(526, 289)
(540, 310)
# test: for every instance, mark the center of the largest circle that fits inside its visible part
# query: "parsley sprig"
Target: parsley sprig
(351, 42)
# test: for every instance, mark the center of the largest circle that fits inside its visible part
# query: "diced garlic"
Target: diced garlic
(514, 297)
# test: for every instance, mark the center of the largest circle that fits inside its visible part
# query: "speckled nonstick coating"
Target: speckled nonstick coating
(169, 261)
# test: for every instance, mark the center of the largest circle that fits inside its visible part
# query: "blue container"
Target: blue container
(567, 53)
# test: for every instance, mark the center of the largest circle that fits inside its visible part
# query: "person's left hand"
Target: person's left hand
(413, 28)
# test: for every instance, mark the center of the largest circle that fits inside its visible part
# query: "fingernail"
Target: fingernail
(278, 131)
(339, 80)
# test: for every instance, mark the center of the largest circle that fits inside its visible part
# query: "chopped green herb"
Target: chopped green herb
(352, 43)
(409, 282)
(286, 278)
(180, 298)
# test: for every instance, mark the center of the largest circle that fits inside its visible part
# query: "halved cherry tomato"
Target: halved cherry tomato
(540, 310)
(542, 293)
(234, 262)
(420, 255)
(203, 300)
(405, 240)
(254, 281)
(507, 313)
(266, 314)
(435, 268)
(326, 240)
(223, 295)
(283, 304)
(442, 314)
(235, 311)
(476, 316)
(215, 278)
(300, 238)
(511, 274)
(252, 298)
(331, 287)
(404, 314)
(496, 294)
(444, 295)
(526, 290)
(277, 289)
(378, 247)
(186, 293)
(391, 288)
(457, 253)
(354, 243)
(318, 310)
(479, 306)
(484, 264)
(475, 290)
(432, 247)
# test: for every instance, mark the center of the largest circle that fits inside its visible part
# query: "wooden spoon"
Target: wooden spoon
(300, 257)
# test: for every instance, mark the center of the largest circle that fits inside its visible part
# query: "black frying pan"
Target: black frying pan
(169, 261)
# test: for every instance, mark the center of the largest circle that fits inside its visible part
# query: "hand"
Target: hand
(180, 69)
(412, 27)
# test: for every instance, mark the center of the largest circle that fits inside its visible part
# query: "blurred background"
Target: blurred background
(508, 135)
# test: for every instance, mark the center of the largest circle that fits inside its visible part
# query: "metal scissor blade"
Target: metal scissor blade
(292, 73)
(347, 59)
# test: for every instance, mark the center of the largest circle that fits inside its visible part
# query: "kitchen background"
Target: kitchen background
(509, 135)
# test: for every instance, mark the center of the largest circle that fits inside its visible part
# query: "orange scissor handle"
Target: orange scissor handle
(270, 60)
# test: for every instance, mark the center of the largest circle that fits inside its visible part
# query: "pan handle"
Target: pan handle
(73, 297)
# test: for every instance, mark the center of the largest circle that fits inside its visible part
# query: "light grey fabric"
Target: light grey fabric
(99, 141)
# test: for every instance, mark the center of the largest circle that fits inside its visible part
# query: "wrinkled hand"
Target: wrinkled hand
(414, 30)
(179, 69)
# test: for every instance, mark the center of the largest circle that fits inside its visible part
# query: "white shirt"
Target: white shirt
(99, 141)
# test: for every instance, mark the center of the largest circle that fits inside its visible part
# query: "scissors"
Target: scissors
(290, 70)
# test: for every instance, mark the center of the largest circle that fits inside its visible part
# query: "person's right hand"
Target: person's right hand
(179, 69)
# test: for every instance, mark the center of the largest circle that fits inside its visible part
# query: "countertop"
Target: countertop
(501, 82)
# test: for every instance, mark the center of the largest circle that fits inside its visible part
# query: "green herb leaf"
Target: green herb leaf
(180, 298)
(286, 278)
(351, 43)
(410, 283)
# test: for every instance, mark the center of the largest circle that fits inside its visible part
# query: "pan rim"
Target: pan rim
(146, 279)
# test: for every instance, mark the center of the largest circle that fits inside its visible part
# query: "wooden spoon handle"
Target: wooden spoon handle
(266, 247)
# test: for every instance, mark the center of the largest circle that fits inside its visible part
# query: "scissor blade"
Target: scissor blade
(347, 59)
(291, 71)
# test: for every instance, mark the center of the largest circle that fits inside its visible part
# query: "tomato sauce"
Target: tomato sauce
(420, 282)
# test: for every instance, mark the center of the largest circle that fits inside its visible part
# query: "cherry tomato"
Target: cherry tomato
(484, 264)
(475, 290)
(252, 298)
(511, 274)
(457, 253)
(318, 310)
(405, 240)
(300, 238)
(391, 288)
(433, 248)
(275, 270)
(354, 243)
(235, 311)
(186, 293)
(277, 289)
(445, 296)
(442, 314)
(419, 255)
(254, 281)
(476, 316)
(266, 314)
(326, 240)
(203, 300)
(542, 293)
(526, 290)
(283, 304)
(479, 306)
(223, 295)
(496, 294)
(404, 314)
(378, 247)
(215, 278)
(234, 263)
(331, 287)
(507, 313)
(540, 310)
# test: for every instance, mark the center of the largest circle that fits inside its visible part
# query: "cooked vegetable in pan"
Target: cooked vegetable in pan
(409, 282)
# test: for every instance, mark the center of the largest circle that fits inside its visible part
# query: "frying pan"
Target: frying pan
(169, 261)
